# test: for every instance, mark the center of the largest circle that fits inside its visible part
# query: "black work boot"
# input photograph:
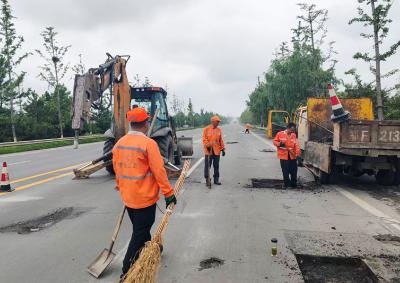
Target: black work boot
(216, 181)
(208, 182)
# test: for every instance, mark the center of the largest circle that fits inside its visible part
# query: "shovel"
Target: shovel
(106, 256)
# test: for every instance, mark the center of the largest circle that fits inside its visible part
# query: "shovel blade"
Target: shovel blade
(100, 263)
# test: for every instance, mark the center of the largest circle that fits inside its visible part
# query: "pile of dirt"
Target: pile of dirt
(212, 262)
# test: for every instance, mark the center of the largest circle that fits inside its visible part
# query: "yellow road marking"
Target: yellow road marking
(20, 188)
(46, 173)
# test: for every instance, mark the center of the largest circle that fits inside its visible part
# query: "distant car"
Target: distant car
(185, 126)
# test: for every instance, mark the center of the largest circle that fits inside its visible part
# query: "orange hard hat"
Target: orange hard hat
(137, 115)
(215, 119)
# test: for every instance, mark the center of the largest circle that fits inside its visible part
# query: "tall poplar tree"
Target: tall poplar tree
(10, 60)
(377, 18)
(54, 69)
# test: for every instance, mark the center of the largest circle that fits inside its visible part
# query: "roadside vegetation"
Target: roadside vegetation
(304, 66)
(47, 145)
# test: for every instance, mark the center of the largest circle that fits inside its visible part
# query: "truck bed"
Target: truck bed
(367, 138)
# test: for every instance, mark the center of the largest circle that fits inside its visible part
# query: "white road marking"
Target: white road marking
(262, 140)
(371, 209)
(20, 162)
(19, 198)
(194, 167)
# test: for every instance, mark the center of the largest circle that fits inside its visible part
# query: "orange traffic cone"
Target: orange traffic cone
(5, 180)
(339, 114)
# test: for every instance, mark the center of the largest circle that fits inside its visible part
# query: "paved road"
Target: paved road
(233, 222)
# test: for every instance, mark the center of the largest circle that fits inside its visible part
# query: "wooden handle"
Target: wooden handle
(116, 230)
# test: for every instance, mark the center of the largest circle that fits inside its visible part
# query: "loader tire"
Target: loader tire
(108, 146)
(385, 177)
(166, 147)
(178, 156)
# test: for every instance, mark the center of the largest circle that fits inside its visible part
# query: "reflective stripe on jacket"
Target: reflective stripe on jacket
(212, 137)
(139, 170)
(291, 146)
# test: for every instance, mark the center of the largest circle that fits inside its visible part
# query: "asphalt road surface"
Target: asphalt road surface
(218, 235)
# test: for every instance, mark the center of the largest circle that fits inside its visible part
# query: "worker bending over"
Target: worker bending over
(139, 174)
(247, 131)
(288, 150)
(213, 146)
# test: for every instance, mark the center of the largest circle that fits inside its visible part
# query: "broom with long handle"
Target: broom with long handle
(144, 270)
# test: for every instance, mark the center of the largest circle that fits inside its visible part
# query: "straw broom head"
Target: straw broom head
(145, 268)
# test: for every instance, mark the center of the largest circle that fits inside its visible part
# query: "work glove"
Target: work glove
(282, 144)
(223, 152)
(169, 200)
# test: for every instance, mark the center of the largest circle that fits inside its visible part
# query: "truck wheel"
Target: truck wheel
(385, 177)
(323, 178)
(108, 146)
(396, 180)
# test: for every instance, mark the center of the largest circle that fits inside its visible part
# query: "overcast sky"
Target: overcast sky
(209, 50)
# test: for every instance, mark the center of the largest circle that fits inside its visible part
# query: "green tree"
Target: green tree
(190, 113)
(54, 69)
(246, 116)
(312, 32)
(147, 82)
(10, 60)
(378, 20)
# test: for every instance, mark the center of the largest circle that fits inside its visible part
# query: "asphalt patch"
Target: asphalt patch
(43, 222)
(262, 183)
(334, 269)
(388, 239)
(212, 262)
(267, 150)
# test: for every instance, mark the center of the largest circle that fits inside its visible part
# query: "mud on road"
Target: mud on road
(44, 222)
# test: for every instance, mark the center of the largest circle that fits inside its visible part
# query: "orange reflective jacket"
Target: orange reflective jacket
(291, 145)
(212, 137)
(139, 170)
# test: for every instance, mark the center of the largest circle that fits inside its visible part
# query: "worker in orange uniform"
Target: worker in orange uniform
(139, 174)
(288, 150)
(247, 131)
(213, 146)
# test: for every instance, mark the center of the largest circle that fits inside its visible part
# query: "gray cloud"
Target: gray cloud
(211, 51)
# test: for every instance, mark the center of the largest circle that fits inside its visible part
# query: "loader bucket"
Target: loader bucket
(186, 145)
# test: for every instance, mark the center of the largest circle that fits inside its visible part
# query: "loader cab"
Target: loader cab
(152, 98)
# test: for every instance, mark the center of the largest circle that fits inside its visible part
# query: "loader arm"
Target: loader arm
(90, 88)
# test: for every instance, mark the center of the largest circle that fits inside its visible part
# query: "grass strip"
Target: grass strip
(46, 145)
